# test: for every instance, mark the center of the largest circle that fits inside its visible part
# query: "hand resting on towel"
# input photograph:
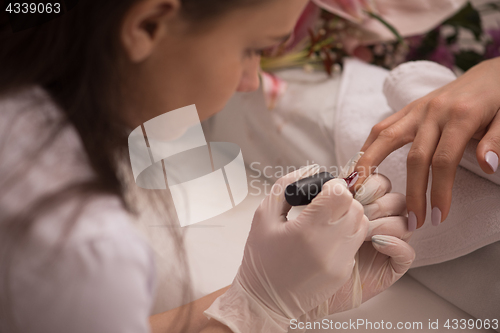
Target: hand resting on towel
(440, 125)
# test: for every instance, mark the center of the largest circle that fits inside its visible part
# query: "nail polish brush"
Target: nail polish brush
(303, 191)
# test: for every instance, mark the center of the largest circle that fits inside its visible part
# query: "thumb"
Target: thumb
(373, 188)
(400, 252)
(332, 203)
(275, 203)
(396, 226)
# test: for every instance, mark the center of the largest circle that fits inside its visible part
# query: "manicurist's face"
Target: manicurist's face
(174, 63)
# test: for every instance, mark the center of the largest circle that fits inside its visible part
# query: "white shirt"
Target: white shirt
(103, 278)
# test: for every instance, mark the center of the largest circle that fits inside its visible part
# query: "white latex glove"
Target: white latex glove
(385, 255)
(290, 267)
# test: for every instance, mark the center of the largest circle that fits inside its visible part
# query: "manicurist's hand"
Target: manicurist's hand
(385, 255)
(289, 267)
(440, 125)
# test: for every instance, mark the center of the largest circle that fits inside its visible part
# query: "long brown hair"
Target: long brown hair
(76, 59)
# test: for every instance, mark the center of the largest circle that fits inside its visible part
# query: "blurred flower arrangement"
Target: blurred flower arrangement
(444, 45)
(330, 30)
(448, 32)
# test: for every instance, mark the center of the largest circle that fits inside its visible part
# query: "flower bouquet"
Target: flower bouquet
(384, 33)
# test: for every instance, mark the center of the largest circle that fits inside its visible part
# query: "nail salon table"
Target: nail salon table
(215, 249)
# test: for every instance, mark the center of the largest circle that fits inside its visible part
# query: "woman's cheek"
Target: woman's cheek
(225, 78)
(216, 99)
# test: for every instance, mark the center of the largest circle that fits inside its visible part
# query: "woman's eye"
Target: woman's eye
(255, 52)
(259, 52)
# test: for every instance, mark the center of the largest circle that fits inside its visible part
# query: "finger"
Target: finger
(382, 126)
(353, 222)
(488, 150)
(400, 252)
(275, 203)
(374, 187)
(352, 227)
(389, 140)
(445, 161)
(348, 169)
(417, 170)
(391, 204)
(333, 202)
(396, 226)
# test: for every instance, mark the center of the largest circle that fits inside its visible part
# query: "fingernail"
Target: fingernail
(352, 179)
(380, 240)
(436, 216)
(412, 222)
(492, 160)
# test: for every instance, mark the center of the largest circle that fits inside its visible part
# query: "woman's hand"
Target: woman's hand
(440, 125)
(291, 266)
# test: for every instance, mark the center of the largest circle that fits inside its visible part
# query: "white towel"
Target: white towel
(474, 219)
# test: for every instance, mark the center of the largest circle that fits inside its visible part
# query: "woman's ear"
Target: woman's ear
(144, 25)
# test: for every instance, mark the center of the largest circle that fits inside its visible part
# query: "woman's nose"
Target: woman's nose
(250, 78)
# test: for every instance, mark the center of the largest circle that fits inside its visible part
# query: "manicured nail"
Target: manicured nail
(412, 222)
(380, 240)
(492, 160)
(352, 179)
(436, 216)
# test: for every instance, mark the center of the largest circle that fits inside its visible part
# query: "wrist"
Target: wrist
(242, 312)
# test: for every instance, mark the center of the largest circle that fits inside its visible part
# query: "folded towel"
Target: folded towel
(369, 94)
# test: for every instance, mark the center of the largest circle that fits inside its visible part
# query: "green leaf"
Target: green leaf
(467, 18)
(387, 25)
(429, 44)
(467, 59)
(453, 38)
(490, 7)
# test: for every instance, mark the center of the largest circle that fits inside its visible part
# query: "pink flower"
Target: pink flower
(409, 17)
(273, 87)
(306, 21)
(363, 53)
(493, 48)
(352, 10)
(443, 55)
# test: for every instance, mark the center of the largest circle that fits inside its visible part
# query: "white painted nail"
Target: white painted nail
(492, 160)
(381, 240)
(436, 216)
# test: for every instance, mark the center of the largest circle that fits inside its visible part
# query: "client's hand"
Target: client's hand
(440, 125)
(383, 258)
(290, 267)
